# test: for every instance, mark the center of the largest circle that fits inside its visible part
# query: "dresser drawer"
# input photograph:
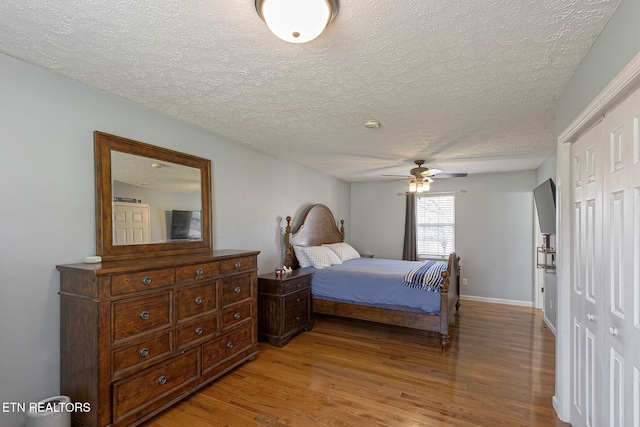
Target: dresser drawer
(293, 285)
(235, 315)
(226, 346)
(237, 264)
(197, 271)
(197, 331)
(150, 386)
(125, 283)
(197, 299)
(153, 349)
(235, 289)
(135, 316)
(296, 309)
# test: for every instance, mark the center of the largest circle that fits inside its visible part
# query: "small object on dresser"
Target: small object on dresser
(92, 259)
(279, 272)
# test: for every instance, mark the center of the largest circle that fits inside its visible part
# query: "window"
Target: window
(436, 225)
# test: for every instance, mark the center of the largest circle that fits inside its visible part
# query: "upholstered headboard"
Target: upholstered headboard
(318, 226)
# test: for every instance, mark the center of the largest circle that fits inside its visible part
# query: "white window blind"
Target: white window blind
(436, 225)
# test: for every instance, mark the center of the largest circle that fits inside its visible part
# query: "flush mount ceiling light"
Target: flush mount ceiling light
(297, 21)
(372, 123)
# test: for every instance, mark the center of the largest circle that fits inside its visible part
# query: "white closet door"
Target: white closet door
(621, 238)
(634, 260)
(131, 223)
(586, 300)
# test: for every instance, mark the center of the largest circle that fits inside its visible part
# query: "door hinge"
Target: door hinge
(542, 289)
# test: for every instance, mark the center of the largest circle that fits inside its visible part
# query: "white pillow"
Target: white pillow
(302, 258)
(344, 251)
(320, 257)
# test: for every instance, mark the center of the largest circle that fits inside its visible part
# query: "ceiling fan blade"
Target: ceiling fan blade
(403, 176)
(431, 172)
(394, 180)
(450, 175)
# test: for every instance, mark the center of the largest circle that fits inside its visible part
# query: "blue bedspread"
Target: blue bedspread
(375, 282)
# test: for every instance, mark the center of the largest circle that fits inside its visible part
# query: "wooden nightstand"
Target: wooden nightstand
(284, 306)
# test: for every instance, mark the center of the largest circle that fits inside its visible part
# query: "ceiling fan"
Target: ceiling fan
(421, 177)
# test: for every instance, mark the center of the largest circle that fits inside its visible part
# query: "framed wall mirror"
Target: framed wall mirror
(150, 201)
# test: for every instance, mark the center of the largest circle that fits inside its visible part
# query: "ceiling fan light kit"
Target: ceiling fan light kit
(297, 21)
(420, 178)
(416, 186)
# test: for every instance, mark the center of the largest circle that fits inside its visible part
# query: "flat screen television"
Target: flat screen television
(186, 225)
(545, 196)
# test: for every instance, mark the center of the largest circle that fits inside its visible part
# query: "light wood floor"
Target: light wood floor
(499, 371)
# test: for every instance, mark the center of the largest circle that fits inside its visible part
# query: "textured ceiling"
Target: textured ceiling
(470, 86)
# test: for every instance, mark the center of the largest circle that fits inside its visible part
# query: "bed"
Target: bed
(332, 284)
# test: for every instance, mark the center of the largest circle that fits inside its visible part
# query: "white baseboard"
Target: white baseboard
(549, 325)
(497, 301)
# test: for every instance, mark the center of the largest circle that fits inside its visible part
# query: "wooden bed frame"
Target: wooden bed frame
(319, 227)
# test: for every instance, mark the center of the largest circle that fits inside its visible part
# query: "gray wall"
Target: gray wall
(549, 279)
(47, 215)
(494, 229)
(616, 45)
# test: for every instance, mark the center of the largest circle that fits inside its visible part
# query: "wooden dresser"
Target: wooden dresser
(284, 306)
(138, 335)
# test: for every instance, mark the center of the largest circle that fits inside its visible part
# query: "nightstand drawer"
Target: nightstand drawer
(296, 284)
(125, 283)
(197, 299)
(135, 316)
(296, 310)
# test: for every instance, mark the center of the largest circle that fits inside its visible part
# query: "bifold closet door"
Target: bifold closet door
(586, 284)
(621, 243)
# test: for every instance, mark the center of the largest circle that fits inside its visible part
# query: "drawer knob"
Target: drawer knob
(199, 331)
(199, 272)
(298, 299)
(146, 280)
(144, 352)
(237, 264)
(236, 316)
(229, 345)
(199, 300)
(162, 380)
(297, 317)
(144, 315)
(237, 290)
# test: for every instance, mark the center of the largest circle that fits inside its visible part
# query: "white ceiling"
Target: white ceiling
(470, 86)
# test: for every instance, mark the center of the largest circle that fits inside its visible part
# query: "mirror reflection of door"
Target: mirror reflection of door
(164, 187)
(131, 223)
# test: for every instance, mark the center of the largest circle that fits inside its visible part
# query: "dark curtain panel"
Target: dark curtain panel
(410, 250)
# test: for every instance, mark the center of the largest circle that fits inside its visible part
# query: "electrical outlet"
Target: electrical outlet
(464, 282)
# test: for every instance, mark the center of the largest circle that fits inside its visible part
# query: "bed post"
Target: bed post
(288, 257)
(444, 310)
(458, 282)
